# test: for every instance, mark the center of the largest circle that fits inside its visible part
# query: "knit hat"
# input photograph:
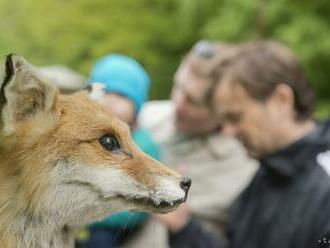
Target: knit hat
(123, 75)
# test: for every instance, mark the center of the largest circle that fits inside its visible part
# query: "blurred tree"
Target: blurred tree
(76, 33)
(302, 25)
(159, 32)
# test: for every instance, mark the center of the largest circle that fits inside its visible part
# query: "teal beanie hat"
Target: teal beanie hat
(123, 75)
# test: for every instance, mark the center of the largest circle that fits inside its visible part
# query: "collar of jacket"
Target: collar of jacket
(299, 156)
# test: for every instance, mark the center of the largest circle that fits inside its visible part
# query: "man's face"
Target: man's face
(256, 124)
(192, 115)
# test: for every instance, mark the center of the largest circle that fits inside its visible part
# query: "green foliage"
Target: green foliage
(301, 25)
(322, 110)
(159, 32)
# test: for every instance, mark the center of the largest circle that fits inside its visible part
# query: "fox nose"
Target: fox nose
(185, 184)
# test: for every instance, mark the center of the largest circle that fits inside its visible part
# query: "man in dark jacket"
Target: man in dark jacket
(263, 99)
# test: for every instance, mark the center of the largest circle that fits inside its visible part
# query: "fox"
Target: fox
(66, 162)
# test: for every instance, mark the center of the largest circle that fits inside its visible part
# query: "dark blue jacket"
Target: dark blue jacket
(286, 205)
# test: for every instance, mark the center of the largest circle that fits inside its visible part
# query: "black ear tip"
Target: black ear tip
(10, 57)
(10, 66)
(10, 70)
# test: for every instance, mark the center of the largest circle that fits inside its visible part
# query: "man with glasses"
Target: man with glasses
(263, 98)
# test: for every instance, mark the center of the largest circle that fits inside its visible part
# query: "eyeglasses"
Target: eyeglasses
(204, 49)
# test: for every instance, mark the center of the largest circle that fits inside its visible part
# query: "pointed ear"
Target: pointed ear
(23, 93)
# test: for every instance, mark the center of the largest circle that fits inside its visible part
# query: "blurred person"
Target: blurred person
(263, 98)
(120, 84)
(188, 135)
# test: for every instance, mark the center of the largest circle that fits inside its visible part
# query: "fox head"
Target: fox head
(64, 159)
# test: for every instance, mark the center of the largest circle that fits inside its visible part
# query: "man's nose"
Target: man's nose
(229, 129)
(185, 184)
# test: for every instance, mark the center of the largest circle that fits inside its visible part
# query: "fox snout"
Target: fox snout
(164, 189)
(185, 184)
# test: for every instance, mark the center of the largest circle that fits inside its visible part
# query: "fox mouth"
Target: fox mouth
(162, 206)
(135, 202)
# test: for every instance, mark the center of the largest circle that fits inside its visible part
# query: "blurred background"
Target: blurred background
(159, 32)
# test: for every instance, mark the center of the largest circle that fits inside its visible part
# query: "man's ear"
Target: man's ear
(284, 93)
(283, 97)
(24, 94)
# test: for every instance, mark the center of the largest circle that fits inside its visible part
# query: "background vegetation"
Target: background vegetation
(159, 32)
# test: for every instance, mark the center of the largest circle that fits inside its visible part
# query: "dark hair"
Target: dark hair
(262, 65)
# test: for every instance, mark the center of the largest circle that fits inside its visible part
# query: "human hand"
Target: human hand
(175, 220)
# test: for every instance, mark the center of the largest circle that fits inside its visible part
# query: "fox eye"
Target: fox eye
(109, 142)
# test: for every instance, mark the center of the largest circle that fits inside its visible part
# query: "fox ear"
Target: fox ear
(23, 93)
